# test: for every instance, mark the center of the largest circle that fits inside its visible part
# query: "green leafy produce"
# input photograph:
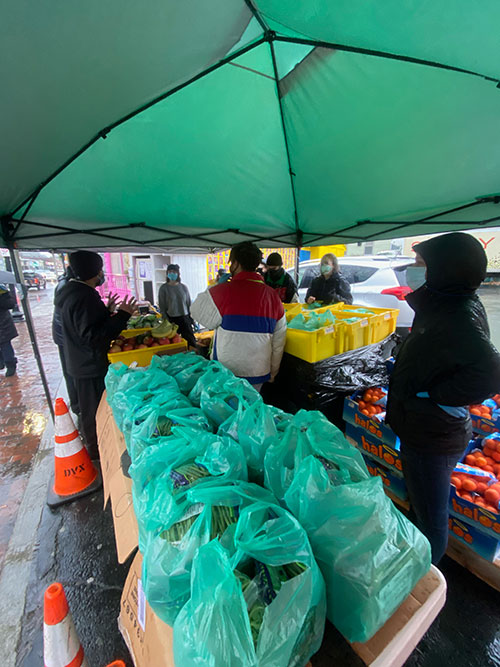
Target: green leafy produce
(142, 322)
(222, 518)
(187, 475)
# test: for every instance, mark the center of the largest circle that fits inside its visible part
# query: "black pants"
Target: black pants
(185, 329)
(70, 383)
(89, 392)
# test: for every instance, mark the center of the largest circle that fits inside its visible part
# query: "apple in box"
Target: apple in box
(164, 341)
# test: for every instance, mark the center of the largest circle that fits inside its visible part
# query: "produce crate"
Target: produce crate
(392, 482)
(313, 346)
(374, 427)
(382, 320)
(143, 356)
(375, 448)
(486, 546)
(328, 341)
(481, 519)
(292, 309)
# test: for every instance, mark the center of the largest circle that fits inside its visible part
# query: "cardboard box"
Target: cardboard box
(116, 482)
(483, 426)
(395, 484)
(484, 545)
(373, 427)
(149, 639)
(387, 455)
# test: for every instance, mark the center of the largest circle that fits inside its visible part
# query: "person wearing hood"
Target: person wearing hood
(279, 279)
(8, 331)
(88, 327)
(446, 364)
(330, 286)
(175, 303)
(57, 337)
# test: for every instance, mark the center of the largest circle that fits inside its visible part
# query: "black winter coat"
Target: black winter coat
(283, 283)
(330, 290)
(8, 329)
(88, 329)
(449, 355)
(57, 330)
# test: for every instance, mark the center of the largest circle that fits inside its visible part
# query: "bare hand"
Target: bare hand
(112, 302)
(129, 304)
(311, 299)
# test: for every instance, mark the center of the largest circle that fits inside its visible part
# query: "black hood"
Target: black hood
(456, 263)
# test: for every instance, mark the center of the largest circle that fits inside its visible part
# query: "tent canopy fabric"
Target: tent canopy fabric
(287, 122)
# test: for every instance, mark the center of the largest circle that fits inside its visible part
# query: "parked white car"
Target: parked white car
(375, 280)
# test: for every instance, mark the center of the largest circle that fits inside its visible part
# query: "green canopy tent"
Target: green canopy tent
(289, 122)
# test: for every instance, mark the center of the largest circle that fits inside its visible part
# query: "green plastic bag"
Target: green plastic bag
(220, 400)
(113, 377)
(187, 376)
(163, 474)
(263, 606)
(310, 433)
(156, 418)
(211, 512)
(215, 375)
(370, 555)
(254, 427)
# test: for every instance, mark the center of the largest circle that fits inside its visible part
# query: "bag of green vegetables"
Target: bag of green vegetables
(371, 556)
(211, 513)
(265, 597)
(164, 473)
(310, 433)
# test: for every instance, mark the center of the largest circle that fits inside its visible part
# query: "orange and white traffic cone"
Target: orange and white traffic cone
(75, 475)
(116, 663)
(61, 646)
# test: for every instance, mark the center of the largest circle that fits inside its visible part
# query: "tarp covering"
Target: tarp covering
(295, 122)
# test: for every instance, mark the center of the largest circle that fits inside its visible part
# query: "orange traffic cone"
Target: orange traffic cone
(116, 663)
(75, 475)
(61, 646)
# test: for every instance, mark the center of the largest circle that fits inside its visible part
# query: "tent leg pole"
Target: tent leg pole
(16, 265)
(297, 262)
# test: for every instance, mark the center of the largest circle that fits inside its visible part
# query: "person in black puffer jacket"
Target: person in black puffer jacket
(57, 337)
(88, 328)
(8, 331)
(330, 286)
(446, 364)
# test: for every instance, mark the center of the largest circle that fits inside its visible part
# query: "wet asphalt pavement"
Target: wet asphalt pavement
(75, 545)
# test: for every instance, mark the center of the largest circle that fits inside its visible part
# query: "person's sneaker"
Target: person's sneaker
(11, 370)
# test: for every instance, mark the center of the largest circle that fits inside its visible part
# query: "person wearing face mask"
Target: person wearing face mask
(446, 364)
(175, 303)
(248, 318)
(281, 281)
(330, 286)
(88, 327)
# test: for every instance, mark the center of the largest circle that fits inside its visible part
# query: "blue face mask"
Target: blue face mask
(415, 276)
(326, 268)
(173, 276)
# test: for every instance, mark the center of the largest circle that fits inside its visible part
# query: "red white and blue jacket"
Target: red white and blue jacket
(250, 325)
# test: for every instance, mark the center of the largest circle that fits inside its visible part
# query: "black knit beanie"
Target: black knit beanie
(85, 264)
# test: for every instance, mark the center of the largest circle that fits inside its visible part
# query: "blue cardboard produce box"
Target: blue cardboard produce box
(373, 427)
(483, 426)
(372, 446)
(392, 482)
(481, 519)
(484, 545)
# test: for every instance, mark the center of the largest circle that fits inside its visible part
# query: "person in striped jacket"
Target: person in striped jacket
(248, 318)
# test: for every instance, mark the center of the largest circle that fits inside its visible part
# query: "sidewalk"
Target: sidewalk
(24, 412)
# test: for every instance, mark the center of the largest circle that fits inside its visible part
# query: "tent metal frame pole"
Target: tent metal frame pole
(16, 265)
(285, 137)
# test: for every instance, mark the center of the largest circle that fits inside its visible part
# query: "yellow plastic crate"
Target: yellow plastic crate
(292, 309)
(352, 335)
(383, 321)
(312, 346)
(144, 355)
